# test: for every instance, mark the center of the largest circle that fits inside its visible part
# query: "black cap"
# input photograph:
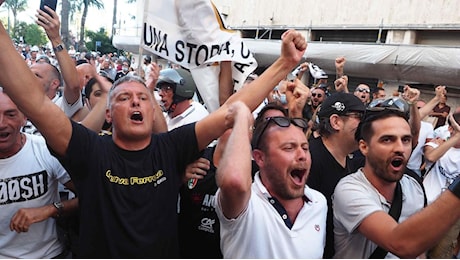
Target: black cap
(340, 104)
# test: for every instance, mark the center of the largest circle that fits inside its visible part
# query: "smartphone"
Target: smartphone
(401, 88)
(50, 3)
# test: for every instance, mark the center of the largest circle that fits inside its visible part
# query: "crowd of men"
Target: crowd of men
(128, 164)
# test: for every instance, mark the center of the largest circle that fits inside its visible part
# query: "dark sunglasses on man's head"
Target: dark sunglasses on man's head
(279, 121)
(378, 105)
(365, 90)
(390, 103)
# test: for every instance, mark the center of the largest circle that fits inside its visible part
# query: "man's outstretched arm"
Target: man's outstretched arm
(72, 88)
(292, 49)
(22, 86)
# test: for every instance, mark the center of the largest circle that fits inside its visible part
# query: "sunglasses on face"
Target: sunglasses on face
(164, 88)
(357, 115)
(279, 121)
(363, 90)
(316, 94)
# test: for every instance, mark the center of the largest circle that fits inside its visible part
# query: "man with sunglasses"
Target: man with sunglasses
(128, 191)
(339, 116)
(277, 215)
(318, 95)
(378, 210)
(362, 91)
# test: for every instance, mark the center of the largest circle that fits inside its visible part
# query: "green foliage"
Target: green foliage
(16, 5)
(101, 35)
(31, 33)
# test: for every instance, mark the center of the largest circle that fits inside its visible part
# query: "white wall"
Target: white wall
(340, 12)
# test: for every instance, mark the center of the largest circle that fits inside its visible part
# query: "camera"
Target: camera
(401, 88)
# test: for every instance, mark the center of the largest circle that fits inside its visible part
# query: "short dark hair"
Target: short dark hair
(89, 87)
(365, 130)
(325, 128)
(81, 61)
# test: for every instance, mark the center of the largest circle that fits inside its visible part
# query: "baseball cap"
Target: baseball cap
(340, 103)
(34, 48)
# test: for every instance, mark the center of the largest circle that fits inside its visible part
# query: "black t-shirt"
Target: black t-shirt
(325, 173)
(128, 199)
(199, 227)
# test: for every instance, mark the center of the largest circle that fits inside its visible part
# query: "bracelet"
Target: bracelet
(455, 187)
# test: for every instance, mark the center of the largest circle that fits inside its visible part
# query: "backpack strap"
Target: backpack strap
(419, 179)
(395, 212)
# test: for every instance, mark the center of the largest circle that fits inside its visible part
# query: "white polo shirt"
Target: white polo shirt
(260, 231)
(194, 113)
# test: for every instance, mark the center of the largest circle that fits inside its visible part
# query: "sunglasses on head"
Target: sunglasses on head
(316, 94)
(279, 121)
(363, 90)
(395, 105)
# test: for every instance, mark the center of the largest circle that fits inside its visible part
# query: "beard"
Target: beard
(280, 185)
(382, 169)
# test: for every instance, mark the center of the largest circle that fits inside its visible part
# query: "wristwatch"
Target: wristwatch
(58, 48)
(60, 207)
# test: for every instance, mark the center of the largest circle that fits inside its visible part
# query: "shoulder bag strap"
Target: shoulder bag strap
(395, 212)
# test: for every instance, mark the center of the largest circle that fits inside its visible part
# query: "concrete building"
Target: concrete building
(393, 42)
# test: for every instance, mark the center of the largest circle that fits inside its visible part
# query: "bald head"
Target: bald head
(85, 72)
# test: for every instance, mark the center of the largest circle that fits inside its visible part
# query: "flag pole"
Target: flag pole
(141, 50)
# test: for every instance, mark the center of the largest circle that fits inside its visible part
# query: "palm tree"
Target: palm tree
(86, 3)
(65, 13)
(16, 7)
(114, 17)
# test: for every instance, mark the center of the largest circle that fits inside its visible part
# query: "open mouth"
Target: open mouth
(137, 116)
(298, 175)
(4, 135)
(397, 162)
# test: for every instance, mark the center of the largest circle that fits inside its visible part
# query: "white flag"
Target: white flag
(191, 33)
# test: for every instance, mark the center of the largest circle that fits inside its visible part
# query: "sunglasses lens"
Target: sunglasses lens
(281, 121)
(300, 122)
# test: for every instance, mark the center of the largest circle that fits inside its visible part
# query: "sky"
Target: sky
(95, 20)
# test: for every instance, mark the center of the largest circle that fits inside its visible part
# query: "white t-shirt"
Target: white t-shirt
(442, 132)
(30, 179)
(355, 198)
(260, 231)
(69, 109)
(443, 173)
(194, 113)
(415, 160)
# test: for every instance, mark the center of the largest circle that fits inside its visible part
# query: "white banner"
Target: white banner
(191, 33)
